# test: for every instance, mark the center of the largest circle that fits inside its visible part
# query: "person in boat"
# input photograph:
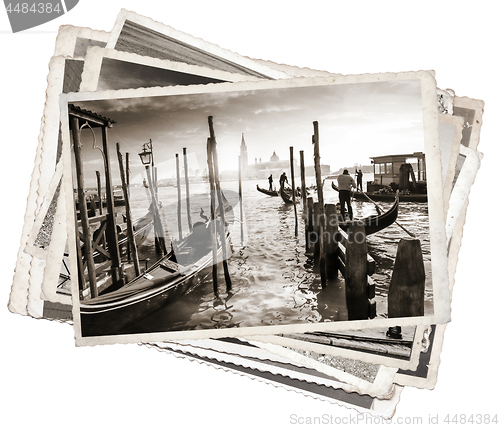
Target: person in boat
(359, 180)
(270, 178)
(283, 180)
(345, 184)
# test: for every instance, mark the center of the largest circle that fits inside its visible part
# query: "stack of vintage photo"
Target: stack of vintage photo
(289, 224)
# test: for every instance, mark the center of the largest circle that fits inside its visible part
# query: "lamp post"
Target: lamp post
(147, 154)
(147, 159)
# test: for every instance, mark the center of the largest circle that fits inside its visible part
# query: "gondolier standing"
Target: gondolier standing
(359, 180)
(345, 182)
(270, 178)
(283, 180)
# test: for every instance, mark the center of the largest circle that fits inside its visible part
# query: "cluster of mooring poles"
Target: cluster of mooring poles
(147, 160)
(334, 250)
(100, 235)
(217, 216)
(104, 240)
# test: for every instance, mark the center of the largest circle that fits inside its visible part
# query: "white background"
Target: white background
(48, 382)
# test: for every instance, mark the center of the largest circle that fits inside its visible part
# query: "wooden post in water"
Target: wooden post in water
(317, 166)
(160, 247)
(309, 223)
(127, 185)
(356, 282)
(155, 180)
(316, 231)
(130, 226)
(222, 229)
(127, 170)
(111, 234)
(99, 196)
(213, 229)
(319, 184)
(179, 196)
(240, 194)
(186, 178)
(82, 203)
(332, 228)
(303, 181)
(407, 288)
(293, 193)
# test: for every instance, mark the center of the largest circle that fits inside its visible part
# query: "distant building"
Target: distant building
(262, 170)
(243, 154)
(275, 166)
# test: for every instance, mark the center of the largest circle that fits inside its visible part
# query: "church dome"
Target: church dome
(274, 158)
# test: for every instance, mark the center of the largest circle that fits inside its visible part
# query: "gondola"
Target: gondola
(286, 195)
(376, 223)
(267, 192)
(172, 276)
(386, 197)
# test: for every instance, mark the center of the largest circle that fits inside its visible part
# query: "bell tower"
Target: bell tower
(243, 153)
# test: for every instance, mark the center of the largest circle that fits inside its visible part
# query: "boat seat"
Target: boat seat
(170, 266)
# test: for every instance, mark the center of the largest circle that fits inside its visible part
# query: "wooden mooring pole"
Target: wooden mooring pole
(213, 229)
(127, 185)
(293, 193)
(356, 271)
(99, 195)
(309, 223)
(407, 287)
(111, 233)
(303, 181)
(186, 178)
(82, 203)
(130, 226)
(315, 236)
(160, 246)
(127, 170)
(179, 196)
(240, 194)
(222, 228)
(319, 185)
(331, 235)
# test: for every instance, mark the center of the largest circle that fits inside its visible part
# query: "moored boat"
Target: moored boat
(403, 172)
(286, 195)
(172, 276)
(385, 196)
(376, 223)
(267, 192)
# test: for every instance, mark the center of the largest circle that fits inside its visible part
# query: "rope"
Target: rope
(378, 208)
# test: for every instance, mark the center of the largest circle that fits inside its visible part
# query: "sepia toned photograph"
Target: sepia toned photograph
(188, 229)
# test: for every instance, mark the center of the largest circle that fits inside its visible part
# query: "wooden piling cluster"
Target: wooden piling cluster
(99, 250)
(107, 222)
(218, 224)
(132, 247)
(357, 266)
(335, 250)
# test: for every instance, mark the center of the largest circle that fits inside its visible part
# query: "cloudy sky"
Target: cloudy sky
(356, 121)
(117, 74)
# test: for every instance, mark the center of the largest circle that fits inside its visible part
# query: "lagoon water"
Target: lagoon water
(273, 281)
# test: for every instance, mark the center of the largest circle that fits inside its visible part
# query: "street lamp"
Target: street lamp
(147, 154)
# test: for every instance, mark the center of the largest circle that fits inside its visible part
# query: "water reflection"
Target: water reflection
(273, 281)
